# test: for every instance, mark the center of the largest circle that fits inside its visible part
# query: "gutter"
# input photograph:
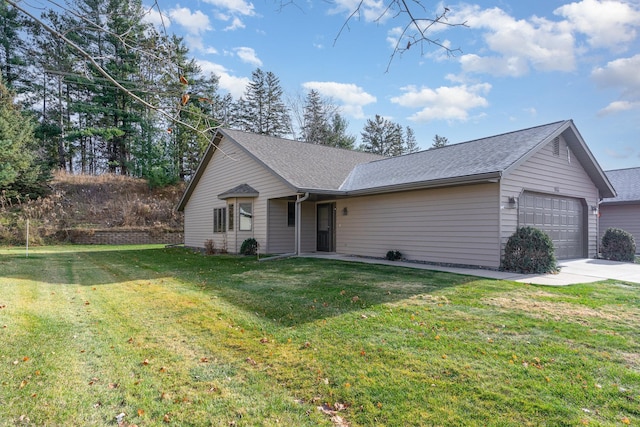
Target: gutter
(299, 201)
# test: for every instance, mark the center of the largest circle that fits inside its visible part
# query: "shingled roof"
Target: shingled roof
(485, 158)
(327, 170)
(304, 166)
(627, 185)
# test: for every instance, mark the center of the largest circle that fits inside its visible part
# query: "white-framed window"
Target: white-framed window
(246, 216)
(219, 220)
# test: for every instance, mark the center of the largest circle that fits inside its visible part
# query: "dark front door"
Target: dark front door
(326, 220)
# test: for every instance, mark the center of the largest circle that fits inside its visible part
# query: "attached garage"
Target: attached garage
(562, 218)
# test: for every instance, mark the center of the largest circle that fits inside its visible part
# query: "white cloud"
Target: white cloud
(353, 97)
(518, 44)
(195, 23)
(623, 74)
(236, 23)
(239, 7)
(234, 85)
(606, 23)
(618, 107)
(156, 18)
(443, 103)
(513, 66)
(620, 72)
(248, 55)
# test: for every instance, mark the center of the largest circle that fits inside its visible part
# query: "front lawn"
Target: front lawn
(153, 336)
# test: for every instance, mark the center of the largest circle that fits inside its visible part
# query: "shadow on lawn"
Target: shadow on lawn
(287, 292)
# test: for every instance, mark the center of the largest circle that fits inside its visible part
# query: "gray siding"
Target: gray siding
(281, 237)
(309, 228)
(626, 217)
(230, 166)
(456, 225)
(560, 175)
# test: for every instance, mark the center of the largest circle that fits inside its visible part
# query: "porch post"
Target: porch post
(300, 198)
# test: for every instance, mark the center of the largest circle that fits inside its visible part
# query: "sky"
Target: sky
(513, 65)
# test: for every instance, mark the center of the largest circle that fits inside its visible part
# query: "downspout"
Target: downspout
(299, 201)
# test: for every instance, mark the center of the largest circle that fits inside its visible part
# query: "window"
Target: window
(246, 216)
(219, 218)
(291, 214)
(231, 216)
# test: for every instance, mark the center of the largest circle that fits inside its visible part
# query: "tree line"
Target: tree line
(60, 112)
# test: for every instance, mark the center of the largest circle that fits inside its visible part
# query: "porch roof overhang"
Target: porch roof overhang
(242, 190)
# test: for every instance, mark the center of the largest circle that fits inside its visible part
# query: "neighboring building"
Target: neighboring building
(623, 211)
(456, 205)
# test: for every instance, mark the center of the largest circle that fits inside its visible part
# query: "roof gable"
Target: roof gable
(627, 185)
(302, 165)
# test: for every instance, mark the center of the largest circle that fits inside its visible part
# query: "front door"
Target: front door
(326, 221)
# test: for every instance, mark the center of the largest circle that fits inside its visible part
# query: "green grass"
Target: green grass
(171, 337)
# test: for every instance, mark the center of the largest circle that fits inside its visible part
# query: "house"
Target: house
(453, 205)
(623, 211)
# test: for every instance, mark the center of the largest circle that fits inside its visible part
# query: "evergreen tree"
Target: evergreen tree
(382, 136)
(410, 144)
(261, 109)
(315, 127)
(19, 171)
(12, 47)
(439, 141)
(338, 133)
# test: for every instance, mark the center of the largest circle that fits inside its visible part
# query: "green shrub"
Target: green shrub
(249, 247)
(394, 255)
(529, 250)
(618, 245)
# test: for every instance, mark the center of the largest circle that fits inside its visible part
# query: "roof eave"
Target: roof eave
(487, 177)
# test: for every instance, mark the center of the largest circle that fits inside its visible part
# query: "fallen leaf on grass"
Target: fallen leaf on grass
(264, 340)
(625, 420)
(251, 361)
(163, 369)
(145, 362)
(204, 360)
(140, 412)
(25, 359)
(23, 383)
(166, 418)
(112, 386)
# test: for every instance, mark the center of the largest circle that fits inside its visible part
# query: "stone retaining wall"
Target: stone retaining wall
(124, 237)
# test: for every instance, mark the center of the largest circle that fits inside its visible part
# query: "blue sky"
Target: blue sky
(520, 64)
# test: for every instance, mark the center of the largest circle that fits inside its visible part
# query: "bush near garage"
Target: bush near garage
(618, 245)
(529, 250)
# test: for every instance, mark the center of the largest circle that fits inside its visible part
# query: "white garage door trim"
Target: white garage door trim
(562, 218)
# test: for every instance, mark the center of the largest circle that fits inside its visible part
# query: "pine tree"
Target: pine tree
(338, 133)
(410, 144)
(19, 172)
(439, 141)
(261, 109)
(315, 127)
(12, 47)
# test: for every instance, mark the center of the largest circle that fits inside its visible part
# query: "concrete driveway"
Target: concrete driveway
(585, 271)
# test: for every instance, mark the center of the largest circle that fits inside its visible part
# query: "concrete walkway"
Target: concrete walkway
(571, 271)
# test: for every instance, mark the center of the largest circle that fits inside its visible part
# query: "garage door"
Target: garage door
(560, 217)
